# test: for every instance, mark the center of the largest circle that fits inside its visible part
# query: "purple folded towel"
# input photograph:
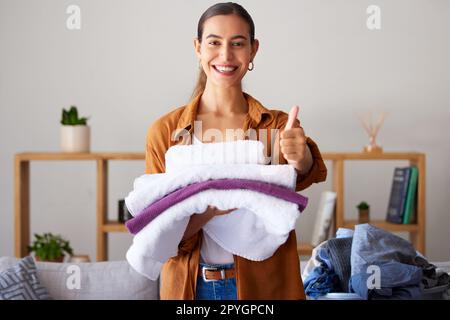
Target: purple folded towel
(137, 223)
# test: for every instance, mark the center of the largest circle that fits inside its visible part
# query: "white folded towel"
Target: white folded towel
(254, 231)
(235, 152)
(151, 187)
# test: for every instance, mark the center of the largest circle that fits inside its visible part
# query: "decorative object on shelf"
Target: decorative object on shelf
(124, 214)
(75, 133)
(77, 258)
(363, 212)
(50, 247)
(324, 217)
(372, 130)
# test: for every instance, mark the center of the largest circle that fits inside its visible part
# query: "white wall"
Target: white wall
(133, 61)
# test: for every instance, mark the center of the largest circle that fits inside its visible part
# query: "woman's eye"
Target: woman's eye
(234, 44)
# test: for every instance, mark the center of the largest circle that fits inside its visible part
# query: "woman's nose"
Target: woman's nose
(226, 52)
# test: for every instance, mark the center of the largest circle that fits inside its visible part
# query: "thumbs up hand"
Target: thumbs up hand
(293, 144)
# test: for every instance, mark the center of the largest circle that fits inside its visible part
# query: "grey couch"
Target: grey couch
(112, 280)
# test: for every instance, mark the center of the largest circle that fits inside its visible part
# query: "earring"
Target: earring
(253, 66)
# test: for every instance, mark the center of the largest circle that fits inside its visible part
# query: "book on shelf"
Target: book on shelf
(402, 199)
(324, 217)
(410, 205)
(398, 194)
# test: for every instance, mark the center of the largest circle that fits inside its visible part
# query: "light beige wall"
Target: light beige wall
(133, 61)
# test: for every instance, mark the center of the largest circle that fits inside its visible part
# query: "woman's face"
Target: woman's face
(225, 50)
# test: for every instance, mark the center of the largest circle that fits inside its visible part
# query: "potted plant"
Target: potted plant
(364, 210)
(49, 247)
(75, 133)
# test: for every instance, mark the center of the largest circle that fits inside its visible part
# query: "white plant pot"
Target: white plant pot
(75, 138)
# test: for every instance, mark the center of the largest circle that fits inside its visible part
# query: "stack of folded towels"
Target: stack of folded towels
(225, 175)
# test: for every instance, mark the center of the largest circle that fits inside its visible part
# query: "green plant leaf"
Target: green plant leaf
(73, 116)
(70, 117)
(65, 117)
(49, 246)
(363, 205)
(74, 111)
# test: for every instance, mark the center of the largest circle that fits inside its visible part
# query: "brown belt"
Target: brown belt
(213, 274)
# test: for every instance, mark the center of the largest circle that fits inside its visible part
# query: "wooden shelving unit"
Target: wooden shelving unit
(416, 231)
(22, 195)
(114, 226)
(104, 226)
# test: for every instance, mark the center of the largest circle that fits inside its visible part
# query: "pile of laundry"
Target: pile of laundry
(374, 264)
(226, 175)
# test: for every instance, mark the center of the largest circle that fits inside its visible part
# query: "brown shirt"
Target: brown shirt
(277, 277)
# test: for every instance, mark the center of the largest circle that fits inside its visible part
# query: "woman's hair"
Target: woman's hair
(218, 9)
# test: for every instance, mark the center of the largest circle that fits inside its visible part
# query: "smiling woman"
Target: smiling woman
(226, 48)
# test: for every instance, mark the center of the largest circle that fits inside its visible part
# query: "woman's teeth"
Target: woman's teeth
(224, 69)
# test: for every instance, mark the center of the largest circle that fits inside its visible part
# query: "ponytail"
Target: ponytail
(201, 83)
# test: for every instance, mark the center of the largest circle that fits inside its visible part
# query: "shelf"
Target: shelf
(338, 159)
(22, 194)
(104, 226)
(304, 249)
(350, 224)
(27, 156)
(414, 156)
(114, 226)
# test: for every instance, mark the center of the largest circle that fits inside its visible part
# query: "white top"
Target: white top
(211, 252)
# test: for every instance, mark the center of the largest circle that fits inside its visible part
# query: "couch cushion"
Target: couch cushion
(97, 280)
(20, 282)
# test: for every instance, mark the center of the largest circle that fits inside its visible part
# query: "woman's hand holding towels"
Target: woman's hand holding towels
(198, 220)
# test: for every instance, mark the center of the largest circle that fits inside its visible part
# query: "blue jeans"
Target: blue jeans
(218, 289)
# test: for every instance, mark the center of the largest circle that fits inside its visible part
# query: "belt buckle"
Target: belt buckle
(204, 269)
